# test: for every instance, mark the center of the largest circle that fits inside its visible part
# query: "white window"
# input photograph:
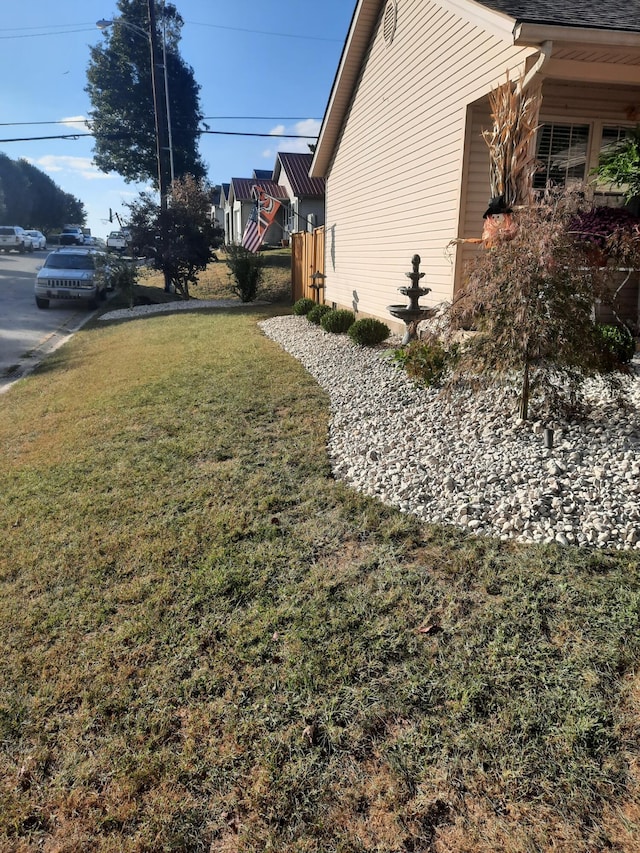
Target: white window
(567, 155)
(562, 154)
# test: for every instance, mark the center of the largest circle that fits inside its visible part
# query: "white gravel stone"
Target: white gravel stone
(466, 459)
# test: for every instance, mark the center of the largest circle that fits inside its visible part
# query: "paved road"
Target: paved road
(27, 332)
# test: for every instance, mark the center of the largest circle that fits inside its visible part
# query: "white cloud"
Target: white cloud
(308, 127)
(77, 122)
(83, 167)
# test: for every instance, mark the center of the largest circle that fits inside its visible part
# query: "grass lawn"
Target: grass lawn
(216, 283)
(211, 645)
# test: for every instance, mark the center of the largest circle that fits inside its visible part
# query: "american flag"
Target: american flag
(261, 217)
(252, 237)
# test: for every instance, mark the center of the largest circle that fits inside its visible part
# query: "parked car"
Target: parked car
(117, 241)
(72, 235)
(14, 239)
(72, 274)
(38, 240)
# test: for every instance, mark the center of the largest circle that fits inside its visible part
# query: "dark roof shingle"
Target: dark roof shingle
(605, 15)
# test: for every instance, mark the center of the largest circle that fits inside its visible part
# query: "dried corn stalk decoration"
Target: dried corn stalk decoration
(514, 111)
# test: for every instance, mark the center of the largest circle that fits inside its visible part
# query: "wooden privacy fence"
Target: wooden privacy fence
(307, 260)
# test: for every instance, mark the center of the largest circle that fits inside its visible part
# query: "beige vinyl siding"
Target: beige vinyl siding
(477, 189)
(393, 189)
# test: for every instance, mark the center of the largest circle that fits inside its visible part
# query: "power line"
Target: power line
(27, 123)
(262, 118)
(264, 32)
(76, 136)
(49, 27)
(269, 135)
(205, 118)
(59, 33)
(58, 29)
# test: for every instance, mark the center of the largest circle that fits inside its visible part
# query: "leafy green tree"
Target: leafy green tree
(73, 210)
(17, 197)
(119, 84)
(180, 238)
(3, 208)
(50, 206)
(29, 197)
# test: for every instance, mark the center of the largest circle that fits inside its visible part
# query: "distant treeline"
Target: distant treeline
(28, 197)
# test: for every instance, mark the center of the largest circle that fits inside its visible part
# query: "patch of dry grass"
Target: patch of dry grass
(215, 282)
(211, 645)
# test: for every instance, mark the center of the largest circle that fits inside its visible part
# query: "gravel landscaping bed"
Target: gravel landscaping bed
(465, 459)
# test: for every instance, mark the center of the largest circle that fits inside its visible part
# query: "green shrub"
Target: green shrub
(122, 275)
(303, 306)
(317, 313)
(618, 341)
(338, 320)
(369, 332)
(246, 268)
(424, 361)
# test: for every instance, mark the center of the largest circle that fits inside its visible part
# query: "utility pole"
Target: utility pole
(159, 108)
(162, 137)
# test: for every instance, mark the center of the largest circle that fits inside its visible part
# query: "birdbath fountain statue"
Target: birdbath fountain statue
(412, 314)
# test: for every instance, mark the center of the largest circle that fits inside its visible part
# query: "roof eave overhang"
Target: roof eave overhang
(363, 21)
(530, 34)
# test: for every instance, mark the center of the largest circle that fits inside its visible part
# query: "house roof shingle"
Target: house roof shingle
(604, 15)
(296, 167)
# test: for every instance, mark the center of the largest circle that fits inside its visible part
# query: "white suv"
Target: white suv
(14, 239)
(71, 274)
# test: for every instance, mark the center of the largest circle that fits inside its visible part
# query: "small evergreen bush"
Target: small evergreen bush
(424, 361)
(246, 270)
(369, 332)
(337, 321)
(317, 313)
(618, 341)
(303, 306)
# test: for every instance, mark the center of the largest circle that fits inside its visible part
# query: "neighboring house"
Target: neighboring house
(216, 213)
(401, 146)
(306, 195)
(240, 203)
(225, 207)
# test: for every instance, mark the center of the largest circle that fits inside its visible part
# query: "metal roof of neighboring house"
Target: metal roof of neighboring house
(263, 174)
(605, 15)
(242, 189)
(296, 168)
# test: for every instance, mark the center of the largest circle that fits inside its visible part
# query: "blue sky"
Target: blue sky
(252, 58)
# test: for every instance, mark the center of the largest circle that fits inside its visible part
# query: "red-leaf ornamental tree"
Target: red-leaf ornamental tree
(180, 239)
(530, 302)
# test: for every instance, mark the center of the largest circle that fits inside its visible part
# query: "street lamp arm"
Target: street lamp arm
(104, 24)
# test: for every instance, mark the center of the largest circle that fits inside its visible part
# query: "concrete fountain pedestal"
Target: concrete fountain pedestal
(412, 314)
